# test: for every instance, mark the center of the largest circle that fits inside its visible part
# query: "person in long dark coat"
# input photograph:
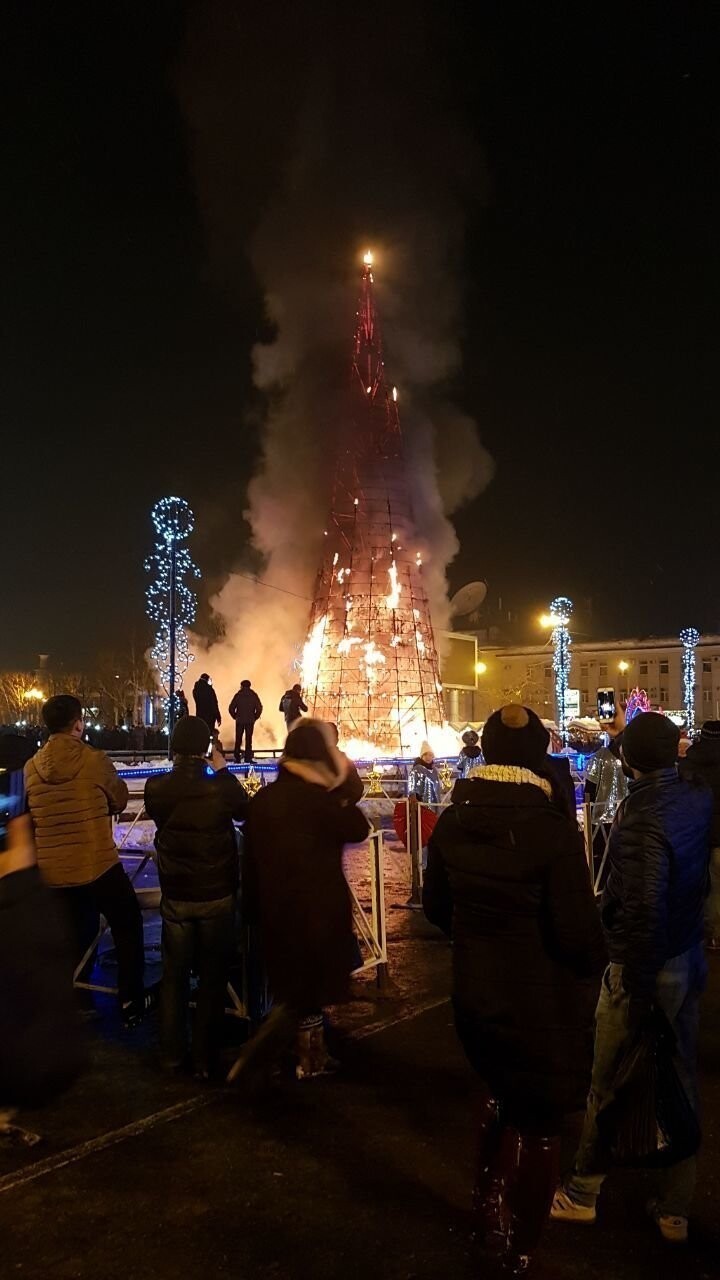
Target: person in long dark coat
(507, 879)
(294, 887)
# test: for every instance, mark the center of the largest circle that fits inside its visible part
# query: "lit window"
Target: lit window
(707, 695)
(663, 693)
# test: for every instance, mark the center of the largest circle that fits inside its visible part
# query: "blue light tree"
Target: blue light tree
(170, 601)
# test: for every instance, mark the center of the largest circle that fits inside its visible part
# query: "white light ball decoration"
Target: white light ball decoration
(689, 639)
(560, 615)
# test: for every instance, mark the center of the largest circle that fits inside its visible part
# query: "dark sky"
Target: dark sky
(590, 292)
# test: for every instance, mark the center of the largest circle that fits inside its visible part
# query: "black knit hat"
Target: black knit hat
(306, 742)
(710, 730)
(191, 737)
(650, 742)
(515, 735)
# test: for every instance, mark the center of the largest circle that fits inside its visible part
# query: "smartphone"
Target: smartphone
(606, 706)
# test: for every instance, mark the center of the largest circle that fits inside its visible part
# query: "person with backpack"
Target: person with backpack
(292, 705)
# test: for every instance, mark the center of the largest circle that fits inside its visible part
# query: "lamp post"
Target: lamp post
(559, 619)
(689, 639)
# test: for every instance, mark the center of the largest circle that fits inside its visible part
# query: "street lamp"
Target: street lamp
(623, 667)
(559, 619)
(480, 668)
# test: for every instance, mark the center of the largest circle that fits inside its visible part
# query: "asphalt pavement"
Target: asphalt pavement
(364, 1174)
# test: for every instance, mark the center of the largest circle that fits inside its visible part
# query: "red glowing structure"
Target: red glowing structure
(370, 662)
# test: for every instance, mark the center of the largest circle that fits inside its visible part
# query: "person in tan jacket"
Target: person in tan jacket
(72, 791)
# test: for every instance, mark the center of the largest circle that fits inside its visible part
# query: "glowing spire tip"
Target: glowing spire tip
(368, 258)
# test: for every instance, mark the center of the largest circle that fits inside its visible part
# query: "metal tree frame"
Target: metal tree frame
(370, 662)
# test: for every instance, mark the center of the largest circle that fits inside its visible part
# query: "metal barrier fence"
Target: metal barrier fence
(596, 833)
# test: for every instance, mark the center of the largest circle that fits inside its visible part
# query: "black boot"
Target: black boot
(486, 1144)
(536, 1178)
(493, 1208)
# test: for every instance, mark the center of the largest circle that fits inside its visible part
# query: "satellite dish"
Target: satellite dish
(468, 599)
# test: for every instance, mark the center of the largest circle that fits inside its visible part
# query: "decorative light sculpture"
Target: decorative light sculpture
(170, 602)
(559, 619)
(637, 704)
(689, 639)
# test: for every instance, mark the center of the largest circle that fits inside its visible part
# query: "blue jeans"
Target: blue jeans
(199, 936)
(677, 993)
(712, 911)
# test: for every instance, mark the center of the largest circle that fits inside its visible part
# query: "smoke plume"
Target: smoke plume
(352, 152)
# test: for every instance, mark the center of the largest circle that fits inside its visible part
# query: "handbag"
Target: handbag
(650, 1121)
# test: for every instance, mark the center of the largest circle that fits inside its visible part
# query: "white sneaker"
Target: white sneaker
(564, 1209)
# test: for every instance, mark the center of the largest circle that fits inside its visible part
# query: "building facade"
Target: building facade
(524, 673)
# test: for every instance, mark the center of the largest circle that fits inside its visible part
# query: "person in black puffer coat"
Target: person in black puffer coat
(508, 880)
(194, 807)
(652, 912)
(702, 765)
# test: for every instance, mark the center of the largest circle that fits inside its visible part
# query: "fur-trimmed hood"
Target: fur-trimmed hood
(319, 773)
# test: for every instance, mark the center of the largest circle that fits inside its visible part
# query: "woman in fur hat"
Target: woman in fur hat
(294, 885)
(508, 881)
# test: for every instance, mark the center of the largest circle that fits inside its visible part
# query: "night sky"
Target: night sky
(588, 276)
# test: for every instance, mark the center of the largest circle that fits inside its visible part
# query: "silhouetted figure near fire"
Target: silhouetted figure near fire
(206, 703)
(292, 705)
(245, 709)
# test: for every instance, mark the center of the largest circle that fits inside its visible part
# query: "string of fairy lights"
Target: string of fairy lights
(559, 619)
(689, 639)
(170, 601)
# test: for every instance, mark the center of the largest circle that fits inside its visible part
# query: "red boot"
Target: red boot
(493, 1205)
(531, 1195)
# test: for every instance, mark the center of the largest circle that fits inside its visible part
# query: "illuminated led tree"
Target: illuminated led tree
(689, 639)
(171, 602)
(559, 619)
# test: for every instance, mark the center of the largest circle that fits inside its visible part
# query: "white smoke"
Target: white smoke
(334, 176)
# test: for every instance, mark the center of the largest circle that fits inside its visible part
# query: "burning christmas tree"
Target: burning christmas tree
(370, 662)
